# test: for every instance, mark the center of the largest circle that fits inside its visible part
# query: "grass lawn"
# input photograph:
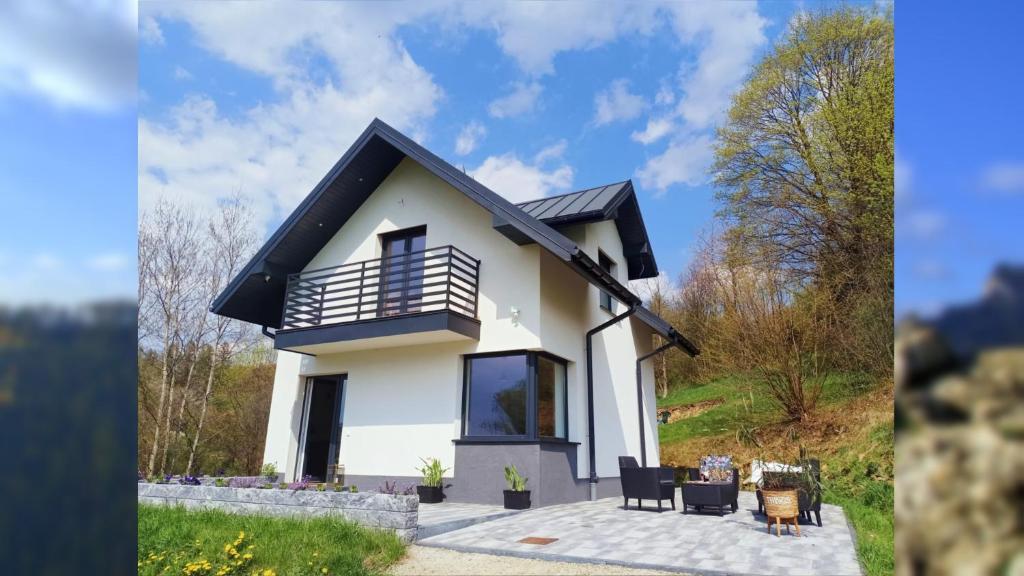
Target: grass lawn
(210, 542)
(738, 391)
(851, 432)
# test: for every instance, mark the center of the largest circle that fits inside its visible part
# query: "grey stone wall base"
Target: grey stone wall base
(484, 483)
(399, 514)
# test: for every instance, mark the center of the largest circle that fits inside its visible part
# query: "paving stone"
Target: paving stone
(603, 531)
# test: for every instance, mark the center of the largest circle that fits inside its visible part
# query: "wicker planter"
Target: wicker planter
(784, 506)
(430, 494)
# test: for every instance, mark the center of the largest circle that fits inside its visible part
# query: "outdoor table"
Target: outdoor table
(700, 494)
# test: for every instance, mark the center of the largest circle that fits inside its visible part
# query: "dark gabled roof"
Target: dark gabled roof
(256, 295)
(599, 202)
(610, 202)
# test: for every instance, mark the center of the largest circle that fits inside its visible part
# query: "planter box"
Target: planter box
(430, 494)
(399, 514)
(517, 500)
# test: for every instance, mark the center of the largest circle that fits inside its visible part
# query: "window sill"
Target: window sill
(476, 441)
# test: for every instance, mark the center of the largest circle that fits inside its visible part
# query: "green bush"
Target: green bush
(432, 472)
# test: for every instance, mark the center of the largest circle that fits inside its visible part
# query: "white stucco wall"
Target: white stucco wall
(402, 404)
(614, 356)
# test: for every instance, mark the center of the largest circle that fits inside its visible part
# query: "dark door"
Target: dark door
(402, 264)
(323, 425)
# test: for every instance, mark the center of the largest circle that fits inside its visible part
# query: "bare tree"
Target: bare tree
(231, 242)
(660, 296)
(170, 240)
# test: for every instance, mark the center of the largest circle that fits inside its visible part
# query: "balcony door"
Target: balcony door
(401, 286)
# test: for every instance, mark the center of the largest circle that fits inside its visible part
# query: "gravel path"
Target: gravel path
(430, 561)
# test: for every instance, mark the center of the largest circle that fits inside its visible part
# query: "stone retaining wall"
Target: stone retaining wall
(396, 513)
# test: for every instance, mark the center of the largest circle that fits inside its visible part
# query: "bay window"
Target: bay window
(514, 396)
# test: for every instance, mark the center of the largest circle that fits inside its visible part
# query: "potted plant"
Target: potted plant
(517, 497)
(431, 491)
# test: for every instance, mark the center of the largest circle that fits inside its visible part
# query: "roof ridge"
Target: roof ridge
(581, 190)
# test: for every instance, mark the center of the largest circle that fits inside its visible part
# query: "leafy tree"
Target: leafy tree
(804, 167)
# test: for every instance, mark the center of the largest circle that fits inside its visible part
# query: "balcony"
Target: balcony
(411, 298)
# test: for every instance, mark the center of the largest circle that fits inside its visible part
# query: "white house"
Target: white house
(417, 314)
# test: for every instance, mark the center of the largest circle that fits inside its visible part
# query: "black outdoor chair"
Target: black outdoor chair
(646, 483)
(808, 497)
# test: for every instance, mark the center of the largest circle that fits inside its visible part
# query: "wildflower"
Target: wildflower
(323, 570)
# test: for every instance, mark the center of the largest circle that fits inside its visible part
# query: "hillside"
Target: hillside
(851, 433)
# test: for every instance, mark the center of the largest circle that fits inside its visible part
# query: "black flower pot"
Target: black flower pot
(430, 494)
(517, 500)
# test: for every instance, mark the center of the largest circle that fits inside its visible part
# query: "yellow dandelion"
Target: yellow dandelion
(323, 570)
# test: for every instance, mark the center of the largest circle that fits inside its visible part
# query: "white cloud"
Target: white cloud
(930, 269)
(657, 128)
(552, 152)
(519, 181)
(76, 55)
(468, 138)
(181, 73)
(1004, 177)
(730, 34)
(661, 284)
(686, 161)
(902, 178)
(46, 262)
(149, 31)
(108, 262)
(665, 96)
(617, 103)
(275, 153)
(533, 33)
(727, 35)
(926, 224)
(521, 100)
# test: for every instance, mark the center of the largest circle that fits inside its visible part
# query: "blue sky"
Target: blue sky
(960, 176)
(543, 98)
(67, 153)
(532, 99)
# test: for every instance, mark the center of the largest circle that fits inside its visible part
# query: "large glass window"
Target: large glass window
(550, 398)
(518, 396)
(496, 395)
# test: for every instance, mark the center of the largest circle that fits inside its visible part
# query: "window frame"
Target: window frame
(532, 434)
(604, 296)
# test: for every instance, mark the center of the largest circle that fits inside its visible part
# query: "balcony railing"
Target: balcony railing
(431, 280)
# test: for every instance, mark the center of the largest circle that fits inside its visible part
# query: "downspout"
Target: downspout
(266, 332)
(591, 451)
(640, 399)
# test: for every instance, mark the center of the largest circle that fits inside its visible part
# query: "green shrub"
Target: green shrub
(269, 470)
(432, 472)
(516, 482)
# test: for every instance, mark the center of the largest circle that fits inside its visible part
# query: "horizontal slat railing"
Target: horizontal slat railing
(431, 280)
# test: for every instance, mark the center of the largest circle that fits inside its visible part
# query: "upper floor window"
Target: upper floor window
(608, 265)
(516, 395)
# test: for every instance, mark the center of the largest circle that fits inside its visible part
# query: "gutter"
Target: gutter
(640, 398)
(591, 446)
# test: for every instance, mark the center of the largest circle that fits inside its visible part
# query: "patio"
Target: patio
(602, 532)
